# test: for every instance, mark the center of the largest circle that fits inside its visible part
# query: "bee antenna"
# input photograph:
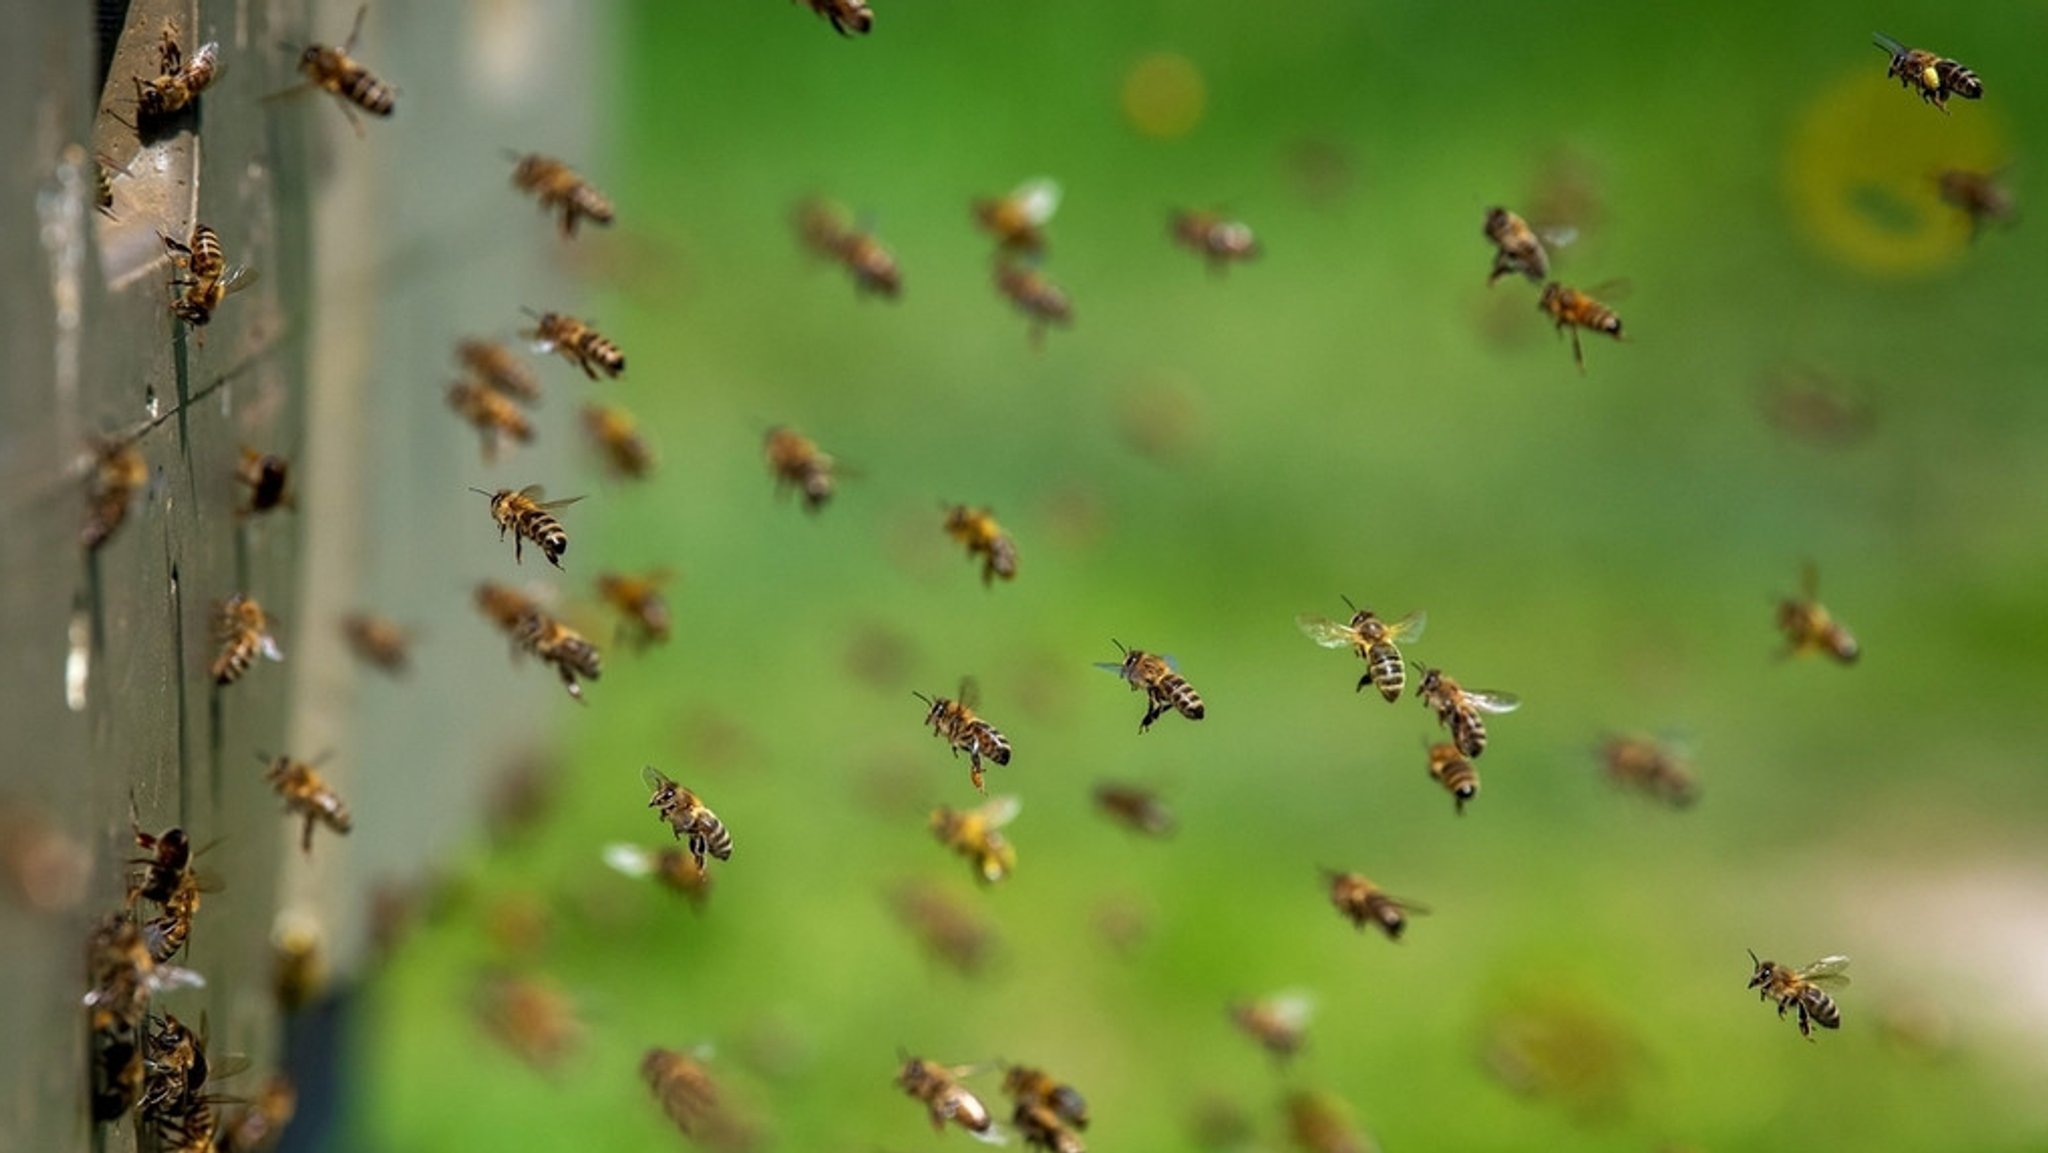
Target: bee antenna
(480, 492)
(1347, 602)
(529, 312)
(920, 696)
(1119, 646)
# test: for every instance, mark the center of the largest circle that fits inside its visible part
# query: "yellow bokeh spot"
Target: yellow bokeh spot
(1860, 171)
(1164, 95)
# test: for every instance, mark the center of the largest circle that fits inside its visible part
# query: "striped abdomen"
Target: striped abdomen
(1467, 730)
(983, 740)
(595, 349)
(1172, 688)
(1385, 670)
(540, 527)
(1958, 79)
(235, 657)
(337, 72)
(1819, 1008)
(711, 836)
(1001, 559)
(1452, 770)
(206, 260)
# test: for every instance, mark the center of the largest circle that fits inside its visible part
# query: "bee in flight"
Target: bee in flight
(1279, 1023)
(533, 1019)
(1221, 241)
(1160, 680)
(579, 344)
(639, 601)
(1453, 770)
(1808, 626)
(955, 721)
(243, 629)
(847, 16)
(1936, 77)
(306, 793)
(118, 473)
(180, 80)
(559, 645)
(494, 415)
(1135, 807)
(261, 1123)
(977, 529)
(1979, 195)
(948, 930)
(1648, 767)
(560, 188)
(1573, 310)
(824, 230)
(1377, 643)
(1458, 708)
(506, 607)
(796, 463)
(1321, 1123)
(1036, 296)
(1363, 903)
(526, 514)
(203, 273)
(268, 478)
(1800, 990)
(945, 1099)
(335, 70)
(1018, 220)
(495, 365)
(693, 1101)
(977, 835)
(1053, 1107)
(378, 641)
(676, 869)
(688, 817)
(1517, 247)
(624, 451)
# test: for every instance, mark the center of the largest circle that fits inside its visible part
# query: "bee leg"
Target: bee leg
(975, 774)
(306, 838)
(1362, 682)
(583, 362)
(355, 31)
(1578, 351)
(353, 121)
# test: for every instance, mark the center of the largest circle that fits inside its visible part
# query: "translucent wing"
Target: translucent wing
(268, 647)
(1558, 236)
(238, 278)
(993, 1135)
(1411, 907)
(1888, 44)
(1039, 198)
(654, 779)
(563, 503)
(533, 492)
(1292, 1008)
(1000, 811)
(1826, 971)
(1113, 668)
(970, 692)
(1408, 628)
(164, 978)
(1326, 632)
(631, 860)
(1490, 702)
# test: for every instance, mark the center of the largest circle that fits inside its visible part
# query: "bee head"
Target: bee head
(1764, 970)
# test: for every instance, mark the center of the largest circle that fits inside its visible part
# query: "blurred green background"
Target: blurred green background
(1199, 459)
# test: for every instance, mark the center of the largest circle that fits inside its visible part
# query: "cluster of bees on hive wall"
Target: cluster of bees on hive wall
(156, 1066)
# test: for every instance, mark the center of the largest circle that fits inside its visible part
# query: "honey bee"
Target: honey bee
(824, 230)
(176, 1065)
(495, 365)
(378, 641)
(1377, 643)
(1936, 77)
(298, 969)
(1458, 708)
(1646, 766)
(560, 188)
(977, 835)
(204, 275)
(534, 1020)
(167, 932)
(335, 70)
(169, 860)
(1278, 1023)
(640, 602)
(1018, 220)
(1517, 247)
(243, 629)
(1035, 1085)
(1451, 769)
(1980, 195)
(796, 463)
(948, 931)
(1036, 296)
(579, 344)
(505, 606)
(1573, 310)
(493, 414)
(1320, 1123)
(1808, 627)
(1161, 682)
(847, 16)
(956, 722)
(1042, 1128)
(945, 1099)
(123, 977)
(180, 81)
(267, 476)
(1800, 990)
(561, 646)
(103, 171)
(687, 817)
(624, 451)
(675, 868)
(1214, 238)
(306, 794)
(693, 1102)
(118, 473)
(1362, 902)
(527, 515)
(259, 1125)
(1135, 807)
(977, 529)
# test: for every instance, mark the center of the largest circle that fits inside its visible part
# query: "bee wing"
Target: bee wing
(1326, 632)
(238, 278)
(993, 1135)
(1491, 702)
(631, 860)
(1292, 1008)
(533, 492)
(1000, 811)
(1113, 668)
(164, 978)
(1412, 908)
(970, 692)
(1826, 971)
(268, 647)
(1888, 44)
(1408, 628)
(654, 778)
(563, 503)
(1608, 290)
(1039, 198)
(1558, 235)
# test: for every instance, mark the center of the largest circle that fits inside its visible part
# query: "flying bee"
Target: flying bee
(694, 1103)
(527, 515)
(1363, 902)
(1035, 1085)
(505, 606)
(534, 1020)
(1042, 1128)
(1936, 77)
(639, 601)
(945, 1099)
(823, 228)
(956, 722)
(335, 70)
(619, 444)
(1808, 626)
(977, 835)
(1165, 689)
(260, 1124)
(180, 81)
(1800, 990)
(561, 646)
(560, 188)
(118, 473)
(796, 463)
(1458, 708)
(977, 529)
(1453, 770)
(495, 365)
(687, 817)
(243, 629)
(1036, 296)
(1573, 310)
(204, 275)
(1980, 195)
(1320, 1123)
(495, 416)
(1221, 242)
(378, 641)
(579, 344)
(268, 477)
(1646, 766)
(847, 16)
(676, 869)
(1279, 1023)
(1018, 220)
(298, 966)
(1517, 247)
(1377, 643)
(948, 931)
(1135, 807)
(306, 794)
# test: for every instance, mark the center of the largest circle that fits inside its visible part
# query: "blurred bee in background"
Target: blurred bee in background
(1161, 682)
(688, 817)
(1036, 296)
(1221, 242)
(298, 968)
(825, 230)
(495, 365)
(561, 646)
(1450, 768)
(306, 794)
(1362, 903)
(1980, 195)
(948, 930)
(1018, 220)
(1320, 1123)
(268, 478)
(1219, 1124)
(956, 722)
(494, 415)
(1935, 77)
(261, 1123)
(1458, 708)
(639, 601)
(180, 81)
(1551, 1046)
(694, 1103)
(1517, 248)
(1800, 990)
(378, 641)
(45, 869)
(1816, 408)
(1377, 643)
(676, 869)
(625, 452)
(118, 473)
(1135, 807)
(243, 629)
(335, 70)
(1573, 310)
(560, 188)
(579, 344)
(202, 271)
(796, 463)
(977, 835)
(505, 606)
(527, 514)
(534, 1020)
(847, 16)
(1808, 627)
(1646, 766)
(977, 529)
(1025, 1083)
(1043, 1129)
(1279, 1023)
(945, 1099)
